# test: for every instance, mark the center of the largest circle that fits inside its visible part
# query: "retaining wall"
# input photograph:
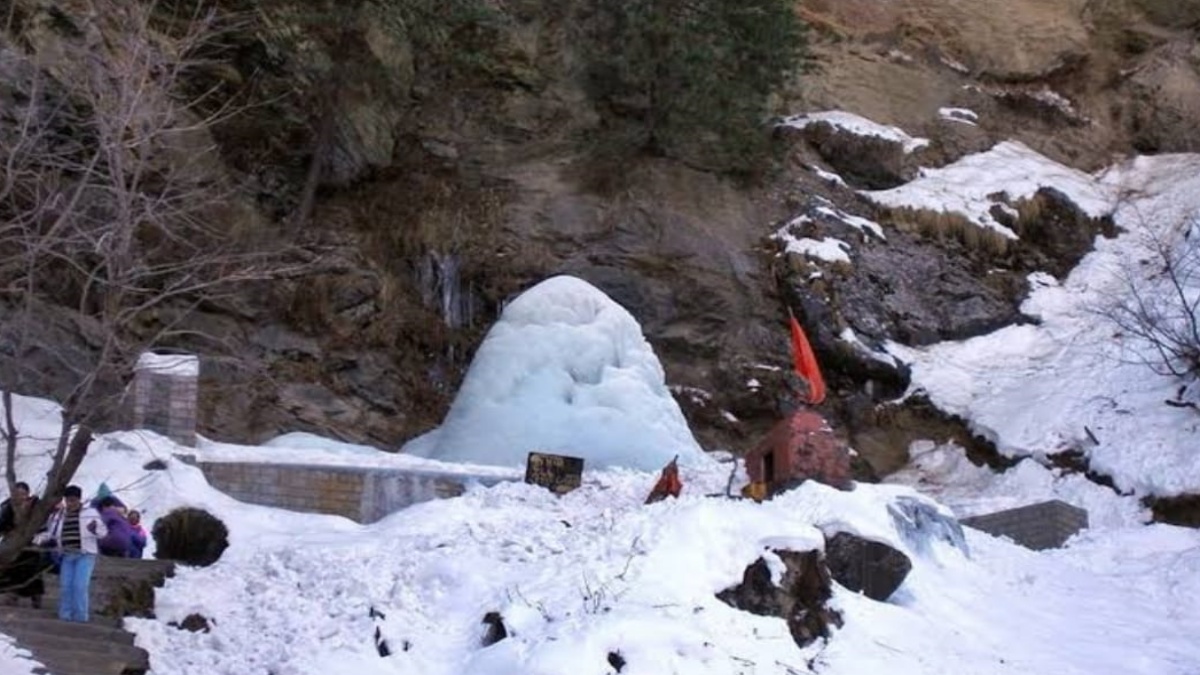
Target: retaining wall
(361, 494)
(1037, 526)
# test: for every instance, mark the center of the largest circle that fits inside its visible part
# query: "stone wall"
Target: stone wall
(1037, 526)
(163, 396)
(361, 494)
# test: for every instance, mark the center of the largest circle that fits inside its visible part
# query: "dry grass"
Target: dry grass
(843, 18)
(953, 226)
(1030, 214)
(1171, 13)
(410, 215)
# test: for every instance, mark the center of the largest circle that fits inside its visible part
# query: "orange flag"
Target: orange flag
(668, 484)
(805, 362)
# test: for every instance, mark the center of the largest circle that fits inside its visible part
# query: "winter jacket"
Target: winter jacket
(89, 536)
(8, 517)
(119, 538)
(137, 542)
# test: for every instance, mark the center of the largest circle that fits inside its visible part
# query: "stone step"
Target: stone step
(107, 566)
(97, 595)
(99, 647)
(110, 583)
(14, 622)
(71, 663)
(97, 583)
(110, 563)
(50, 612)
(46, 645)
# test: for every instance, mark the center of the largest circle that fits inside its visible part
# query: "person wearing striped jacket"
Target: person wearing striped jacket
(75, 530)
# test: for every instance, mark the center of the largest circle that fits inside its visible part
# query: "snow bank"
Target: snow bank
(119, 460)
(565, 370)
(184, 365)
(1010, 168)
(944, 473)
(1040, 389)
(14, 660)
(857, 125)
(596, 572)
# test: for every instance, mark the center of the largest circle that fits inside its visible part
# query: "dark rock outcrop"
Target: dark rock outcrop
(870, 567)
(799, 598)
(1182, 510)
(868, 162)
(193, 623)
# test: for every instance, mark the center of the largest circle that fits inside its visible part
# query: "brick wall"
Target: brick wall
(361, 494)
(1037, 526)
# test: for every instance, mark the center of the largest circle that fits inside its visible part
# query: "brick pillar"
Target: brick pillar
(164, 393)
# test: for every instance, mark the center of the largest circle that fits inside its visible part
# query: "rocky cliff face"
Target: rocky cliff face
(449, 176)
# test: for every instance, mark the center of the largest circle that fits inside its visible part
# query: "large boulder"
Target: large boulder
(862, 565)
(799, 596)
(191, 536)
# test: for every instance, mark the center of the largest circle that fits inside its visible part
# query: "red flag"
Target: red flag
(805, 362)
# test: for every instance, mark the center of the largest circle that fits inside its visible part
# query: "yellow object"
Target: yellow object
(755, 491)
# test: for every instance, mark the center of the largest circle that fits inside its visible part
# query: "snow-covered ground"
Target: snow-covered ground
(14, 660)
(597, 572)
(970, 186)
(1039, 389)
(944, 473)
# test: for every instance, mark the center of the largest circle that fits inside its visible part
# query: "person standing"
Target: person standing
(137, 541)
(75, 530)
(118, 539)
(23, 577)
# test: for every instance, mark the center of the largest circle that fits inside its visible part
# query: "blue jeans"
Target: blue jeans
(75, 579)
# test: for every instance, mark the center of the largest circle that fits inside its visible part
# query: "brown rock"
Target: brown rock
(799, 598)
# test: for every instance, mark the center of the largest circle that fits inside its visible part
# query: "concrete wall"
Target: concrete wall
(361, 494)
(1037, 526)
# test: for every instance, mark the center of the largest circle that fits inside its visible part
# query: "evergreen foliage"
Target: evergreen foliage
(691, 79)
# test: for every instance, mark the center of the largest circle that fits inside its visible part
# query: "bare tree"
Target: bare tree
(1160, 302)
(113, 203)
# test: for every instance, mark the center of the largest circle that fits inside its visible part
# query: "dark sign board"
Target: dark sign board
(559, 473)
